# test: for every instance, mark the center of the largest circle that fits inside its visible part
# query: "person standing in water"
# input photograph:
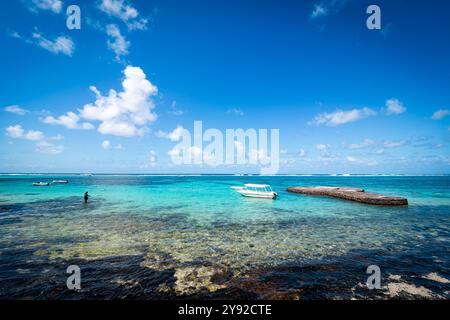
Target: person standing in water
(86, 197)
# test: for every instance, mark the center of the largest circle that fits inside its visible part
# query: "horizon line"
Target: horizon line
(224, 174)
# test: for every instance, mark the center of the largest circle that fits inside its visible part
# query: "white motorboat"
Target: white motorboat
(41, 184)
(60, 181)
(256, 191)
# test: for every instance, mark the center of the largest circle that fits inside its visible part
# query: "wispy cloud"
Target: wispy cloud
(70, 120)
(193, 154)
(152, 159)
(58, 137)
(319, 11)
(302, 153)
(361, 161)
(429, 145)
(118, 44)
(54, 6)
(326, 154)
(369, 143)
(322, 147)
(174, 110)
(326, 7)
(125, 12)
(236, 111)
(340, 117)
(107, 145)
(440, 114)
(61, 44)
(174, 135)
(394, 106)
(395, 144)
(364, 144)
(16, 110)
(15, 34)
(46, 147)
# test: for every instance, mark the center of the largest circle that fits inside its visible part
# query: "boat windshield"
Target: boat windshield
(259, 189)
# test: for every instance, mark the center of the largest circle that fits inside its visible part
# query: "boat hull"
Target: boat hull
(262, 195)
(60, 182)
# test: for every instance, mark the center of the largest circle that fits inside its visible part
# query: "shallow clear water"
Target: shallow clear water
(164, 236)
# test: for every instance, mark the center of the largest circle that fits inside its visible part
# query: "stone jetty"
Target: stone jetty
(352, 194)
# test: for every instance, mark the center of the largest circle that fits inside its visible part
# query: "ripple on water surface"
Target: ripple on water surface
(203, 239)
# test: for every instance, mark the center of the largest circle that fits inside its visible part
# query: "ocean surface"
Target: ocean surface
(158, 237)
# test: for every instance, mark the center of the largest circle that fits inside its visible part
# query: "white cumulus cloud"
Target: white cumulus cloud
(17, 132)
(42, 146)
(340, 117)
(125, 113)
(394, 106)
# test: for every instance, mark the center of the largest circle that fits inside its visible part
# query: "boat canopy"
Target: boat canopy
(250, 185)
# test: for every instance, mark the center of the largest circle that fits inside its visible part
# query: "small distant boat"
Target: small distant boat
(256, 191)
(86, 174)
(60, 181)
(41, 184)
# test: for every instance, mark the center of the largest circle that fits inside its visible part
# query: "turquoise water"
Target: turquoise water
(194, 236)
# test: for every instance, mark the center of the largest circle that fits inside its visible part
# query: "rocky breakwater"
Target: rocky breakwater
(351, 194)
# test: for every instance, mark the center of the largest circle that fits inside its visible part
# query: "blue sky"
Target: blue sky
(346, 99)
